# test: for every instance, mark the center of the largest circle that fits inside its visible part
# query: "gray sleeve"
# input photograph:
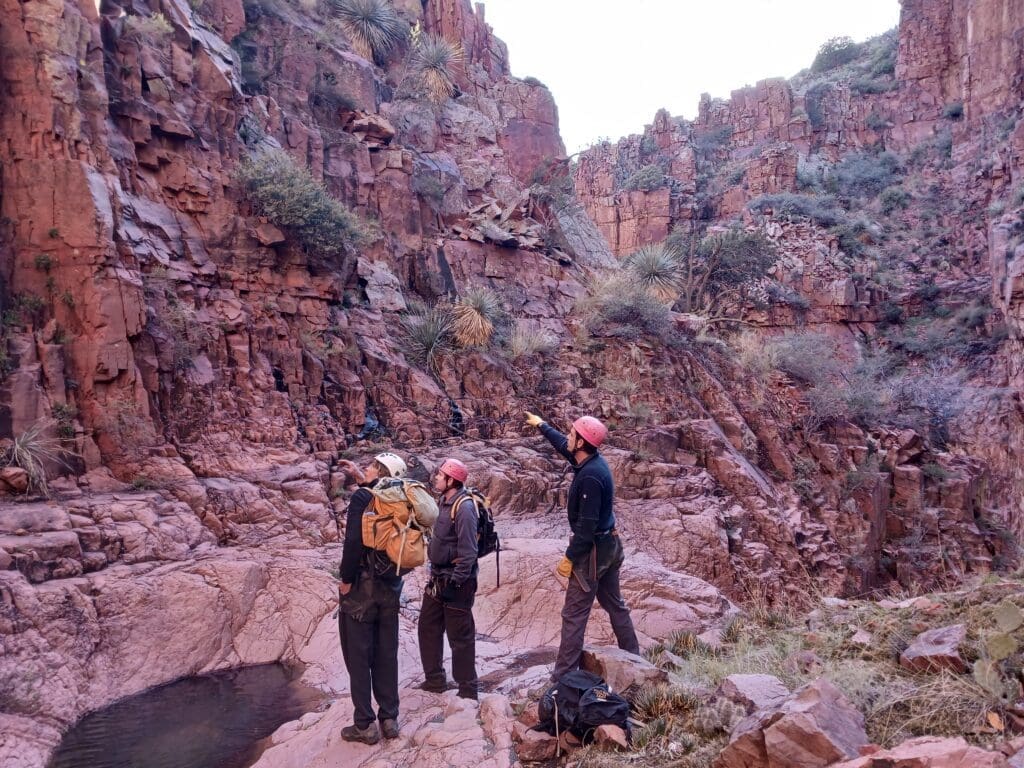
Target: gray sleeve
(466, 548)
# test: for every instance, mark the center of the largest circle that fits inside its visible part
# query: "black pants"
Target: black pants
(455, 619)
(368, 625)
(604, 564)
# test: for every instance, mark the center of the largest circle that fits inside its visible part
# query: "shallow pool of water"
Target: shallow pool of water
(210, 721)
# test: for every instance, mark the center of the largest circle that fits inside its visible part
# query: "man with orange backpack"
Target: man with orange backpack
(368, 591)
(594, 556)
(448, 599)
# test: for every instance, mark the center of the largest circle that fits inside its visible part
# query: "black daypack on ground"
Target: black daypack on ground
(579, 703)
(487, 540)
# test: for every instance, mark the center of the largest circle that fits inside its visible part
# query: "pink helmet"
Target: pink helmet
(455, 469)
(591, 430)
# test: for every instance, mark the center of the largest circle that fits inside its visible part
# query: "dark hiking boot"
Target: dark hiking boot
(435, 687)
(389, 728)
(367, 735)
(468, 693)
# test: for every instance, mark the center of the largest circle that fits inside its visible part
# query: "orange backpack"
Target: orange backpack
(400, 522)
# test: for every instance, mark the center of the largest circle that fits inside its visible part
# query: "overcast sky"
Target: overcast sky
(611, 66)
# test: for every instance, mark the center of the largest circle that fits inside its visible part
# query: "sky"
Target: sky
(612, 65)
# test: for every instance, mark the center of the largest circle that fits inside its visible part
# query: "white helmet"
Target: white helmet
(393, 462)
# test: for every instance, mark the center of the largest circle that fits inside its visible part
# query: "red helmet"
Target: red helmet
(455, 469)
(591, 430)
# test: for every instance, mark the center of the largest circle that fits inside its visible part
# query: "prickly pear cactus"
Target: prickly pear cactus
(990, 671)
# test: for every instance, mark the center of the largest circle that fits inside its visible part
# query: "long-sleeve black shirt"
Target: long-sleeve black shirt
(352, 551)
(453, 547)
(590, 496)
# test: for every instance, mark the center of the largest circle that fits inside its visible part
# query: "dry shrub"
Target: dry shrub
(526, 341)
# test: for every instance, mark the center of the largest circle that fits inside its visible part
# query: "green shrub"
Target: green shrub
(883, 60)
(876, 122)
(710, 141)
(823, 210)
(291, 198)
(717, 271)
(814, 104)
(372, 25)
(866, 174)
(620, 307)
(648, 178)
(867, 85)
(43, 262)
(892, 198)
(835, 53)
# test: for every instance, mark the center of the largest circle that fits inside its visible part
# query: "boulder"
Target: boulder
(611, 738)
(533, 746)
(622, 670)
(14, 478)
(930, 752)
(935, 650)
(753, 692)
(814, 727)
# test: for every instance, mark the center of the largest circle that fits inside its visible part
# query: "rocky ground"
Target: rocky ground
(180, 367)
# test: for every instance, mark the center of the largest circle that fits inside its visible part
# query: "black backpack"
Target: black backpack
(580, 702)
(487, 540)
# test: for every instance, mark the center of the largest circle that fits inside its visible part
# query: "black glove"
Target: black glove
(449, 592)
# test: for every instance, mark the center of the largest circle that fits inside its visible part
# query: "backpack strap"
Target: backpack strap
(457, 501)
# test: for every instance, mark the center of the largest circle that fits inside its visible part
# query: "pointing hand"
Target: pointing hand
(533, 420)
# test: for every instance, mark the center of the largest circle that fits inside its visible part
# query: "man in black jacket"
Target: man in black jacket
(594, 555)
(368, 594)
(448, 598)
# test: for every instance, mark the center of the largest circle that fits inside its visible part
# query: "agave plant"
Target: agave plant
(656, 267)
(433, 63)
(427, 335)
(474, 316)
(373, 26)
(31, 451)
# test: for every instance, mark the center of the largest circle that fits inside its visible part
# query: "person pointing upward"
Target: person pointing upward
(595, 555)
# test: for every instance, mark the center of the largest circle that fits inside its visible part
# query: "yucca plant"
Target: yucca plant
(427, 335)
(474, 316)
(372, 25)
(656, 267)
(433, 63)
(31, 451)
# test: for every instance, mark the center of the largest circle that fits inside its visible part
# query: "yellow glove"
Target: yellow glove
(533, 420)
(564, 568)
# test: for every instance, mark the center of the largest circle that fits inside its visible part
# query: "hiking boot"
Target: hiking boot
(467, 693)
(389, 728)
(434, 687)
(367, 735)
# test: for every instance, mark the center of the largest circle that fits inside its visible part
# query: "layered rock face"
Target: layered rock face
(939, 100)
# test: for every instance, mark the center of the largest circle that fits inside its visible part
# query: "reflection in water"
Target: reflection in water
(213, 721)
